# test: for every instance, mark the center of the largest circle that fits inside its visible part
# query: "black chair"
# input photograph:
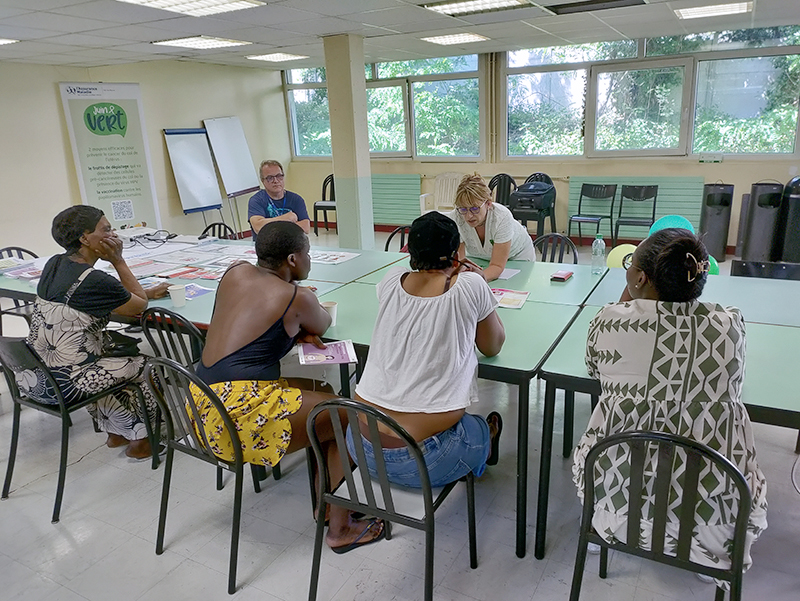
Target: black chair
(403, 230)
(170, 382)
(505, 185)
(20, 308)
(219, 230)
(535, 200)
(17, 357)
(553, 247)
(602, 194)
(634, 198)
(656, 461)
(378, 497)
(328, 203)
(166, 331)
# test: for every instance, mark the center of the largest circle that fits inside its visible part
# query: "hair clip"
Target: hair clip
(699, 267)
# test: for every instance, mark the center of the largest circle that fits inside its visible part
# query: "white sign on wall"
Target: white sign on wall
(112, 159)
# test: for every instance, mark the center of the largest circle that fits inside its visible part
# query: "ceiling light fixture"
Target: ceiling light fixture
(591, 6)
(277, 57)
(457, 38)
(716, 10)
(201, 42)
(197, 8)
(4, 41)
(471, 7)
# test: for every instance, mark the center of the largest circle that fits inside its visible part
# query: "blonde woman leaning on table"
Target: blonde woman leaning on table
(260, 313)
(488, 230)
(670, 363)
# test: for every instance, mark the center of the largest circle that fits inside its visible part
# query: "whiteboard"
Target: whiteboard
(232, 155)
(193, 169)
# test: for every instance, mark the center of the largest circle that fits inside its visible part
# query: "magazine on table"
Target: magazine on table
(334, 352)
(510, 299)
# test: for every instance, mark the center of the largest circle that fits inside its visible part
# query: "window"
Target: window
(639, 110)
(447, 118)
(579, 53)
(436, 99)
(764, 37)
(545, 113)
(747, 105)
(386, 119)
(311, 121)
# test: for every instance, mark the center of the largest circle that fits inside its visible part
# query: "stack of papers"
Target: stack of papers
(510, 299)
(331, 258)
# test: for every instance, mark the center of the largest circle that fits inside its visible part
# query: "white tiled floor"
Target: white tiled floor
(104, 547)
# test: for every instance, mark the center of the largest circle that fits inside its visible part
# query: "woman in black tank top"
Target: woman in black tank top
(260, 313)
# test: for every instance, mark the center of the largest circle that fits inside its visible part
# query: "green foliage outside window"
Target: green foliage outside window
(447, 118)
(312, 122)
(386, 119)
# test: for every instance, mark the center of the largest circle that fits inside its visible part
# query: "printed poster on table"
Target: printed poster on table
(109, 145)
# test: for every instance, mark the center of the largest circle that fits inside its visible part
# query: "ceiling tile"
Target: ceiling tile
(391, 17)
(54, 22)
(112, 10)
(339, 7)
(85, 39)
(269, 15)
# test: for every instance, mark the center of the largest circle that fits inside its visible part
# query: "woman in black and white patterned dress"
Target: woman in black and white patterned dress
(72, 308)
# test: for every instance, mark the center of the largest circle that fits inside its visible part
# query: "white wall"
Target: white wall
(38, 173)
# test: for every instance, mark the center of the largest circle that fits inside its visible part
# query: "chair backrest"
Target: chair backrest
(17, 357)
(638, 194)
(539, 177)
(18, 252)
(170, 384)
(165, 330)
(505, 185)
(445, 187)
(403, 230)
(553, 247)
(328, 189)
(600, 192)
(371, 495)
(758, 269)
(665, 471)
(219, 230)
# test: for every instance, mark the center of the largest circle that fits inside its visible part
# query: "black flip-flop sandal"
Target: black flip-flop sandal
(357, 543)
(494, 453)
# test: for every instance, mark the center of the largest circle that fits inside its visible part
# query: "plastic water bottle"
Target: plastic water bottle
(598, 255)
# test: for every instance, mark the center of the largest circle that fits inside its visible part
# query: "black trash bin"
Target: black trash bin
(791, 222)
(715, 218)
(762, 232)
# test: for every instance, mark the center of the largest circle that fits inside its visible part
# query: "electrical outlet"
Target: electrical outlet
(710, 158)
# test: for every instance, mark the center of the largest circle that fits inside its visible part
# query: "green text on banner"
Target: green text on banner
(106, 129)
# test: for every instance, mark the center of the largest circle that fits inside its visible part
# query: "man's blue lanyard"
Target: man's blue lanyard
(274, 206)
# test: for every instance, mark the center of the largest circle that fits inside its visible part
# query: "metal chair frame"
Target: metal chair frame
(21, 308)
(404, 231)
(377, 497)
(635, 194)
(555, 243)
(594, 192)
(697, 455)
(328, 203)
(505, 185)
(219, 230)
(166, 332)
(169, 382)
(16, 356)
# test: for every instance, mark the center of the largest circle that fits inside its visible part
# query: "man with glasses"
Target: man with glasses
(274, 202)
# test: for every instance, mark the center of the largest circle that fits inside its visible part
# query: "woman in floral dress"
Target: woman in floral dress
(72, 308)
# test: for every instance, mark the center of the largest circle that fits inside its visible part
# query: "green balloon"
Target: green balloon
(713, 267)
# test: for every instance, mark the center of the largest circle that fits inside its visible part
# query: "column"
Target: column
(347, 103)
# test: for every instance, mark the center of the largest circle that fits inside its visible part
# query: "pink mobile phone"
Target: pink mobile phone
(561, 276)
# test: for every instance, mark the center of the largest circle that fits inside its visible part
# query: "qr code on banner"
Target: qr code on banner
(122, 210)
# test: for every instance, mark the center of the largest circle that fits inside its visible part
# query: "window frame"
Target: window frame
(686, 114)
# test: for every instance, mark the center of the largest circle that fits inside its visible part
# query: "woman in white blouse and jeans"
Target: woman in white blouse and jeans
(422, 365)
